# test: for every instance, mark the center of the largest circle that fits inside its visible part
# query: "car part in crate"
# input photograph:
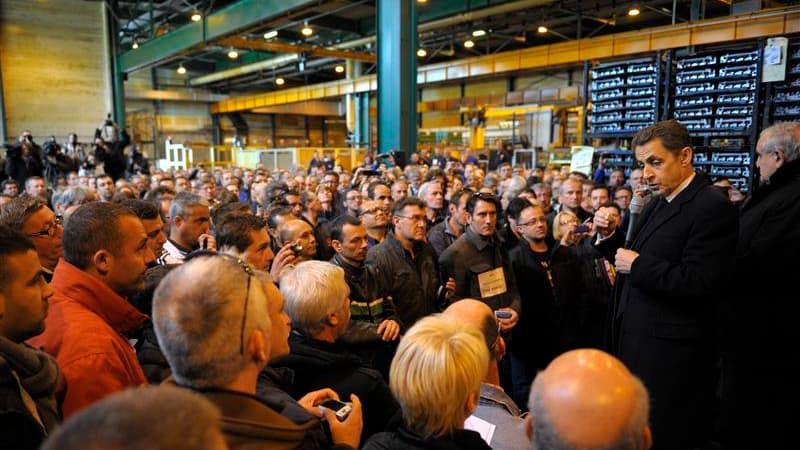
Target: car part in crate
(730, 99)
(642, 68)
(694, 101)
(636, 126)
(607, 106)
(641, 92)
(738, 57)
(700, 61)
(608, 83)
(641, 103)
(728, 171)
(742, 158)
(640, 115)
(607, 95)
(641, 80)
(738, 71)
(733, 124)
(695, 75)
(696, 124)
(692, 113)
(736, 85)
(735, 111)
(692, 89)
(787, 110)
(605, 128)
(608, 72)
(606, 117)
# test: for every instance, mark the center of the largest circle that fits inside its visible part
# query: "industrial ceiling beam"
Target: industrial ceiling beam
(292, 48)
(225, 22)
(764, 23)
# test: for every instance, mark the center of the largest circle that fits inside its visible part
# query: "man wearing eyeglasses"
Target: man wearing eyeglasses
(106, 255)
(376, 220)
(407, 264)
(31, 216)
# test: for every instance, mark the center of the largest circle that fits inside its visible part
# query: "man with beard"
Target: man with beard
(105, 259)
(28, 377)
(548, 279)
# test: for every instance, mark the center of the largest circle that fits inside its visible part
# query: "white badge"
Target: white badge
(492, 282)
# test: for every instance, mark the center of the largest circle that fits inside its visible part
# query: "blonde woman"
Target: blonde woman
(565, 228)
(436, 376)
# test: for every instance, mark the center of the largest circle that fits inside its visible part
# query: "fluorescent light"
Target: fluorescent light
(271, 34)
(542, 29)
(469, 44)
(196, 17)
(339, 68)
(181, 69)
(233, 54)
(279, 81)
(633, 12)
(422, 53)
(479, 33)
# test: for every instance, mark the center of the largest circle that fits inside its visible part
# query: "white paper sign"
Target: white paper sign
(482, 427)
(582, 159)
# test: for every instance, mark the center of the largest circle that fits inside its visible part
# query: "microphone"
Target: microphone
(638, 202)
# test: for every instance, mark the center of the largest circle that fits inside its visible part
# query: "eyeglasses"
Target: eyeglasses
(533, 221)
(247, 270)
(413, 218)
(50, 230)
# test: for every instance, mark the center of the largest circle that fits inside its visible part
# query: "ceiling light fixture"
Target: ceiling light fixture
(233, 54)
(633, 12)
(307, 30)
(181, 69)
(279, 81)
(135, 44)
(479, 33)
(469, 44)
(339, 68)
(196, 17)
(542, 29)
(422, 53)
(271, 34)
(422, 1)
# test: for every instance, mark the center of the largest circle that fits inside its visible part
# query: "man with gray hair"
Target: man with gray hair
(432, 194)
(757, 379)
(219, 323)
(126, 421)
(189, 224)
(587, 399)
(31, 216)
(318, 302)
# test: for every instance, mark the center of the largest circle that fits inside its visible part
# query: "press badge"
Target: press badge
(492, 282)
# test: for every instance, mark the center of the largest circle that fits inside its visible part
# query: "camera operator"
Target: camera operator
(56, 162)
(110, 150)
(24, 160)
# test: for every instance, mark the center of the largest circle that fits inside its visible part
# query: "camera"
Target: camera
(582, 228)
(340, 409)
(502, 314)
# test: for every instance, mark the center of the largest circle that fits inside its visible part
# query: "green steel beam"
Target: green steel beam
(227, 21)
(433, 11)
(397, 77)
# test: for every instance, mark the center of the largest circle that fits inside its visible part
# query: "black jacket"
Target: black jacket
(19, 168)
(413, 283)
(318, 365)
(404, 439)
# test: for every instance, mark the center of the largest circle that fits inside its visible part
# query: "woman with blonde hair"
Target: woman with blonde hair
(436, 376)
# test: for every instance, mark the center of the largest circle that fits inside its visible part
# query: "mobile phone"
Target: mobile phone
(582, 228)
(297, 248)
(340, 409)
(502, 314)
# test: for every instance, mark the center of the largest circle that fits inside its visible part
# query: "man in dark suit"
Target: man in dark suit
(758, 374)
(672, 274)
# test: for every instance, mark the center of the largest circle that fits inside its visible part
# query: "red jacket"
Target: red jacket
(85, 331)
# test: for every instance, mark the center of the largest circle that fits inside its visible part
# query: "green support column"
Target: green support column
(117, 75)
(362, 119)
(397, 77)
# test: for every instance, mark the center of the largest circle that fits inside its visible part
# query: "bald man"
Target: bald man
(587, 399)
(299, 232)
(494, 405)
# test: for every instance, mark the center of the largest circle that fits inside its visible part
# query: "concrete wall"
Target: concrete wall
(55, 67)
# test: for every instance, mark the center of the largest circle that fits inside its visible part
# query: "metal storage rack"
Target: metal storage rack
(622, 97)
(716, 94)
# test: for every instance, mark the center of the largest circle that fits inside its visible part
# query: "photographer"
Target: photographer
(110, 150)
(24, 160)
(56, 163)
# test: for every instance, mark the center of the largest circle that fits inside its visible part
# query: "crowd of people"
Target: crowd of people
(445, 304)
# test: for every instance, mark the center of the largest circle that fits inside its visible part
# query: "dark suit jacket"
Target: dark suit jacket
(666, 305)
